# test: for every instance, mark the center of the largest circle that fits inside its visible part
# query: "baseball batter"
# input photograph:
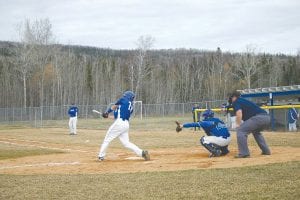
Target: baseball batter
(120, 127)
(218, 136)
(73, 112)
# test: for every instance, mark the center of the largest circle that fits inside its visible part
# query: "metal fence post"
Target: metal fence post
(35, 117)
(13, 115)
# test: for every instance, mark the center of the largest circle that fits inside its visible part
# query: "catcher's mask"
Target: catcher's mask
(208, 114)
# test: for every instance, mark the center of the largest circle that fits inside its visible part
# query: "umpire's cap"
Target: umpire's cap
(233, 94)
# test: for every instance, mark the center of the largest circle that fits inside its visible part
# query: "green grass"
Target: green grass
(272, 181)
(11, 151)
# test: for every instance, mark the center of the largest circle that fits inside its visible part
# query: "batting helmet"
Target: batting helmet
(129, 95)
(208, 113)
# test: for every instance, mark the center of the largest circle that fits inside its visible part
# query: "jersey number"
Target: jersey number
(130, 107)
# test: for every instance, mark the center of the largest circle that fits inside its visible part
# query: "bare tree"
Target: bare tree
(144, 44)
(246, 64)
(24, 52)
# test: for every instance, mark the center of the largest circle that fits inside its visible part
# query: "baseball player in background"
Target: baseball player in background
(293, 116)
(218, 136)
(254, 118)
(120, 127)
(73, 112)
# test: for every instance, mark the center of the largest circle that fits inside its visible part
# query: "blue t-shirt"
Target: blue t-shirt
(73, 111)
(249, 109)
(125, 108)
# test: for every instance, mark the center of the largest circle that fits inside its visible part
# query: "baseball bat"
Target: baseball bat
(96, 111)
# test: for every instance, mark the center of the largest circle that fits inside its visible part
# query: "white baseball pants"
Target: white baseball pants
(73, 124)
(119, 129)
(293, 126)
(220, 141)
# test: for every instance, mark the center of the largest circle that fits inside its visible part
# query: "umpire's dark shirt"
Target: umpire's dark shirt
(249, 109)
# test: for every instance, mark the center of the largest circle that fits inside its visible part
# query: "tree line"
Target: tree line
(37, 71)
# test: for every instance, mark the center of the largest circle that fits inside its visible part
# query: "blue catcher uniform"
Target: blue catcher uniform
(73, 112)
(218, 136)
(120, 127)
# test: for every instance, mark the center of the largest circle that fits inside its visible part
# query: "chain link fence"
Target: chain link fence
(36, 116)
(41, 116)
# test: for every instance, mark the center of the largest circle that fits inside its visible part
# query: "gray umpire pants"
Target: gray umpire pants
(253, 125)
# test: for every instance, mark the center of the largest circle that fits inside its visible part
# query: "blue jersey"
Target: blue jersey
(292, 115)
(125, 108)
(249, 109)
(116, 113)
(212, 127)
(73, 111)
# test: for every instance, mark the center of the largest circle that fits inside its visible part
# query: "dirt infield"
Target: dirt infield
(167, 154)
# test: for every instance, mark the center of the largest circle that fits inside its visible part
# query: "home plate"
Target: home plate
(133, 158)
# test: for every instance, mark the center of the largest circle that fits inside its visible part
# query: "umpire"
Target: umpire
(255, 120)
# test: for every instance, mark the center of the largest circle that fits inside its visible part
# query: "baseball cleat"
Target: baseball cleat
(241, 156)
(178, 128)
(224, 150)
(266, 153)
(217, 153)
(146, 155)
(101, 158)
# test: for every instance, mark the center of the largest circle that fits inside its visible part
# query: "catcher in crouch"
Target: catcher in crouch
(218, 136)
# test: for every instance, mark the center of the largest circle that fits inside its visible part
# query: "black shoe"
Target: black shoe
(101, 158)
(224, 150)
(146, 155)
(241, 156)
(224, 153)
(266, 153)
(217, 153)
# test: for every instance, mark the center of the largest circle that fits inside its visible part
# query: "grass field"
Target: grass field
(47, 163)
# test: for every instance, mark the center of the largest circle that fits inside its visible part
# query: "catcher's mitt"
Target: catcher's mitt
(105, 115)
(178, 128)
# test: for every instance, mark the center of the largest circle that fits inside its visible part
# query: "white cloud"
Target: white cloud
(273, 25)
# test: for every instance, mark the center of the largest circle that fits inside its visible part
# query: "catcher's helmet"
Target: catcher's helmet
(129, 95)
(208, 113)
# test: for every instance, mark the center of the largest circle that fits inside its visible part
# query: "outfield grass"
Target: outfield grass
(273, 181)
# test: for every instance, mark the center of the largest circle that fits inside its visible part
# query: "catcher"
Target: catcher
(218, 136)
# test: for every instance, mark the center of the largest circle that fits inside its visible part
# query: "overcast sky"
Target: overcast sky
(272, 25)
